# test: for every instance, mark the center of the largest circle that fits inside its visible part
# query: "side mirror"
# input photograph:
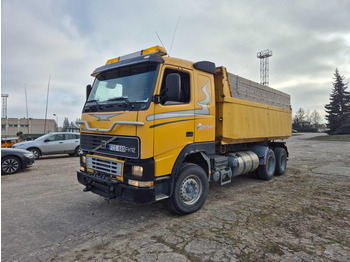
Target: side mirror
(88, 91)
(173, 87)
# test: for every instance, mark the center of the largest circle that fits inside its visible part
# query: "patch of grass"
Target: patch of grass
(340, 138)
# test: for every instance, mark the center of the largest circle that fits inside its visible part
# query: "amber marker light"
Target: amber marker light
(141, 183)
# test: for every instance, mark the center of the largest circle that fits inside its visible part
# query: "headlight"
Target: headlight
(29, 155)
(137, 171)
(18, 146)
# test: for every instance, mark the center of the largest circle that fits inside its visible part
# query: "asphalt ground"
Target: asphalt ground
(303, 215)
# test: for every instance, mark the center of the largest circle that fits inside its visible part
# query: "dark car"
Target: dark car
(13, 160)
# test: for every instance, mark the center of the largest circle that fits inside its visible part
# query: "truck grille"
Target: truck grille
(105, 166)
(122, 146)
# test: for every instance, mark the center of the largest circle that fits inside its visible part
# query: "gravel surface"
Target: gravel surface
(303, 215)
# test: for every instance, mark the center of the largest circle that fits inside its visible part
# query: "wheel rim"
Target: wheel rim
(190, 190)
(35, 153)
(10, 165)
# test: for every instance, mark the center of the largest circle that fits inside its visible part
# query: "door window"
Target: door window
(55, 137)
(71, 136)
(185, 93)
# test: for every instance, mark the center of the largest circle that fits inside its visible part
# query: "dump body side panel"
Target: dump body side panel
(242, 121)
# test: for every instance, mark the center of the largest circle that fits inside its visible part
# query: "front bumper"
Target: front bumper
(28, 162)
(110, 189)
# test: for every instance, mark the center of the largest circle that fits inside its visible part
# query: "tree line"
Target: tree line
(67, 125)
(301, 117)
(337, 111)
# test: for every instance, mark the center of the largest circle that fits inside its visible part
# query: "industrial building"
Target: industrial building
(31, 126)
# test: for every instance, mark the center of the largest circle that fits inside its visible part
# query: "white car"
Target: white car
(53, 143)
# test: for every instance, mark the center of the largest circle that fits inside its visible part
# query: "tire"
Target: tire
(190, 189)
(10, 165)
(281, 161)
(76, 152)
(266, 172)
(36, 152)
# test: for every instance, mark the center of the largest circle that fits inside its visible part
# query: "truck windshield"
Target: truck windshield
(126, 85)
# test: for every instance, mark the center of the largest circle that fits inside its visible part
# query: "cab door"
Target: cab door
(173, 121)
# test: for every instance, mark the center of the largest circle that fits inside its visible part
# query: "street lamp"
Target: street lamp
(56, 121)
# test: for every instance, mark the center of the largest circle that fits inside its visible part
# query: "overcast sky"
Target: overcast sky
(69, 39)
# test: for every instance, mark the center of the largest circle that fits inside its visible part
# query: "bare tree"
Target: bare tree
(315, 118)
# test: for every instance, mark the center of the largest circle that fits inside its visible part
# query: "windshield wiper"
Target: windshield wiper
(119, 98)
(93, 100)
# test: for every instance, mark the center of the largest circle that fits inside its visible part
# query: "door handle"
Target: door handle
(60, 142)
(189, 134)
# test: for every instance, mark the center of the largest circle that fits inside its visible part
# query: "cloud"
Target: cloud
(69, 39)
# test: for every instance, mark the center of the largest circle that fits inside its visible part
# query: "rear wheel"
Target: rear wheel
(35, 152)
(267, 171)
(281, 161)
(190, 189)
(10, 165)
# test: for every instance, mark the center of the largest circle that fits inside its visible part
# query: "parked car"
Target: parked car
(294, 131)
(53, 143)
(12, 160)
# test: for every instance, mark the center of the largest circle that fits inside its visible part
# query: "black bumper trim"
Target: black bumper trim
(116, 189)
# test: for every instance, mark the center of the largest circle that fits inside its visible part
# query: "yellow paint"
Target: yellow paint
(204, 124)
(245, 121)
(145, 133)
(164, 162)
(123, 130)
(170, 134)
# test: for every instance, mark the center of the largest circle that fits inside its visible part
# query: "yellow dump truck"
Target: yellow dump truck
(155, 127)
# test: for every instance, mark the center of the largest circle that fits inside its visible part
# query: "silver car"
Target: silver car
(53, 143)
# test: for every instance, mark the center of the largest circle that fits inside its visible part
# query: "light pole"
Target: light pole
(56, 121)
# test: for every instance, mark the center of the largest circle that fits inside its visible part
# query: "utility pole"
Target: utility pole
(47, 103)
(264, 66)
(25, 92)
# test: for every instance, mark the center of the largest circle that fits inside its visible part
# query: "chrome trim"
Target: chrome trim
(105, 165)
(112, 126)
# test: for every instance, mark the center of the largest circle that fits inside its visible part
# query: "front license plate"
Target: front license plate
(117, 148)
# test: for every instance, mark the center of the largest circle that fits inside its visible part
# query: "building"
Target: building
(31, 126)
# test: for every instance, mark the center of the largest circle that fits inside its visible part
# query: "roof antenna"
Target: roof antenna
(161, 42)
(174, 34)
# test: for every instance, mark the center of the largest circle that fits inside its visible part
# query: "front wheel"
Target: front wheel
(10, 165)
(190, 189)
(35, 152)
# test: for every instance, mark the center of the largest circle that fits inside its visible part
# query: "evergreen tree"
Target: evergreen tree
(338, 110)
(65, 124)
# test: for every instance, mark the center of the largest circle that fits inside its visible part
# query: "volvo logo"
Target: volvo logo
(104, 144)
(105, 117)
